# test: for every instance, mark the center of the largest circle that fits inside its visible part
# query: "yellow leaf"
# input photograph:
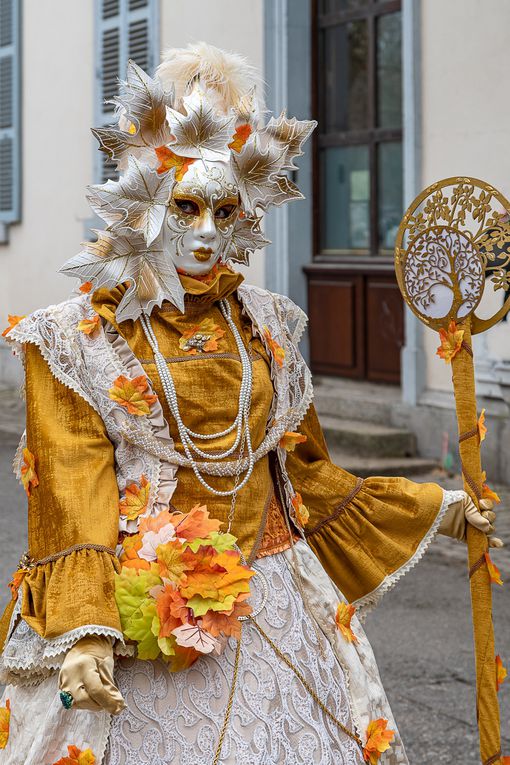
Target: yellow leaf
(501, 672)
(135, 499)
(242, 134)
(29, 477)
(89, 326)
(482, 429)
(378, 740)
(494, 572)
(302, 514)
(5, 719)
(169, 159)
(132, 394)
(277, 350)
(344, 614)
(13, 320)
(290, 440)
(451, 342)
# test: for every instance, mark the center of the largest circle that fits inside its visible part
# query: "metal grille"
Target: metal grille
(110, 8)
(111, 66)
(6, 174)
(6, 94)
(6, 30)
(138, 42)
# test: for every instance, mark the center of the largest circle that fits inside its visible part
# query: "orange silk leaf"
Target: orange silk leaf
(277, 350)
(344, 614)
(218, 622)
(494, 571)
(169, 159)
(290, 440)
(378, 740)
(5, 720)
(195, 524)
(13, 320)
(482, 428)
(501, 672)
(451, 342)
(29, 477)
(135, 499)
(241, 135)
(85, 287)
(132, 394)
(89, 326)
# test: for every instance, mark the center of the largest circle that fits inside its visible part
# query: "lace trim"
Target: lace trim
(74, 548)
(368, 602)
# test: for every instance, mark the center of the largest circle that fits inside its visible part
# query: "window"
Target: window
(125, 29)
(358, 99)
(10, 159)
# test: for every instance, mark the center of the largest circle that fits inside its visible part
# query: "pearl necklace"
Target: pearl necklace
(240, 424)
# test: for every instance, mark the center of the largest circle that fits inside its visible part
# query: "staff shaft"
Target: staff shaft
(481, 593)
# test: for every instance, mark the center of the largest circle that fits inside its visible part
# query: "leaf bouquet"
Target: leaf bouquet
(181, 588)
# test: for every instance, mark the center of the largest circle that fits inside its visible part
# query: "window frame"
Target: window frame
(152, 13)
(371, 137)
(8, 217)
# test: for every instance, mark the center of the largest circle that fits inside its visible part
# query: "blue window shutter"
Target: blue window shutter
(124, 29)
(10, 133)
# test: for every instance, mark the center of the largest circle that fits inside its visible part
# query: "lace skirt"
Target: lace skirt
(177, 718)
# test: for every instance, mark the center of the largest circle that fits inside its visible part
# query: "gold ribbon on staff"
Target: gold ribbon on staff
(452, 240)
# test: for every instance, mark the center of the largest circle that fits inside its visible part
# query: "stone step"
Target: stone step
(387, 466)
(367, 439)
(353, 400)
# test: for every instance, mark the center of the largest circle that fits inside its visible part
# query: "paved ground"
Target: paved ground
(421, 633)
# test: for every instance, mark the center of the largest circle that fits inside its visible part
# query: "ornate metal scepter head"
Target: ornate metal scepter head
(452, 245)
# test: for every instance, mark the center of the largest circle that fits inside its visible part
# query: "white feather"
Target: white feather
(227, 77)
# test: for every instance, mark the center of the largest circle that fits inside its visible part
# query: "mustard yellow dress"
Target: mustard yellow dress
(360, 536)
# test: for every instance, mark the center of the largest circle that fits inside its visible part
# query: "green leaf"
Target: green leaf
(140, 629)
(220, 542)
(131, 588)
(200, 605)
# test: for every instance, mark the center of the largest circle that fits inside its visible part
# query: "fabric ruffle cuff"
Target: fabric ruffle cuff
(62, 593)
(374, 536)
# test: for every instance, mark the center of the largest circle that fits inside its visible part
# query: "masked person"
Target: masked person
(197, 567)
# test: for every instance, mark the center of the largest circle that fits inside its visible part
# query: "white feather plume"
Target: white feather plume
(226, 77)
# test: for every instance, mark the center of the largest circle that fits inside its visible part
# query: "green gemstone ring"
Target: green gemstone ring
(66, 699)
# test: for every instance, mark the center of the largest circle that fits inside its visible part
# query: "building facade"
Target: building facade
(406, 92)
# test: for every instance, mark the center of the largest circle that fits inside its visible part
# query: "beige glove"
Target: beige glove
(87, 674)
(460, 513)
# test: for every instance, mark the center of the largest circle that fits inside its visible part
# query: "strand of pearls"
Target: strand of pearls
(240, 424)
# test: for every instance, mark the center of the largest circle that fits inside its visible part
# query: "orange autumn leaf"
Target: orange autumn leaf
(85, 287)
(242, 134)
(129, 558)
(172, 610)
(89, 326)
(482, 428)
(505, 761)
(195, 524)
(451, 342)
(487, 492)
(494, 572)
(5, 719)
(29, 477)
(174, 561)
(13, 320)
(501, 672)
(77, 757)
(277, 350)
(302, 514)
(135, 499)
(201, 337)
(290, 440)
(343, 618)
(169, 159)
(378, 740)
(132, 394)
(225, 577)
(219, 622)
(154, 522)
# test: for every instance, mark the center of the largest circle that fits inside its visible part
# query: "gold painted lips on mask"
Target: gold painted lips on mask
(203, 254)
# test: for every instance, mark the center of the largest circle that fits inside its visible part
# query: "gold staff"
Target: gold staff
(454, 236)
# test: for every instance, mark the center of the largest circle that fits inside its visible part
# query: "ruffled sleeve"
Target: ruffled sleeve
(366, 533)
(72, 509)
